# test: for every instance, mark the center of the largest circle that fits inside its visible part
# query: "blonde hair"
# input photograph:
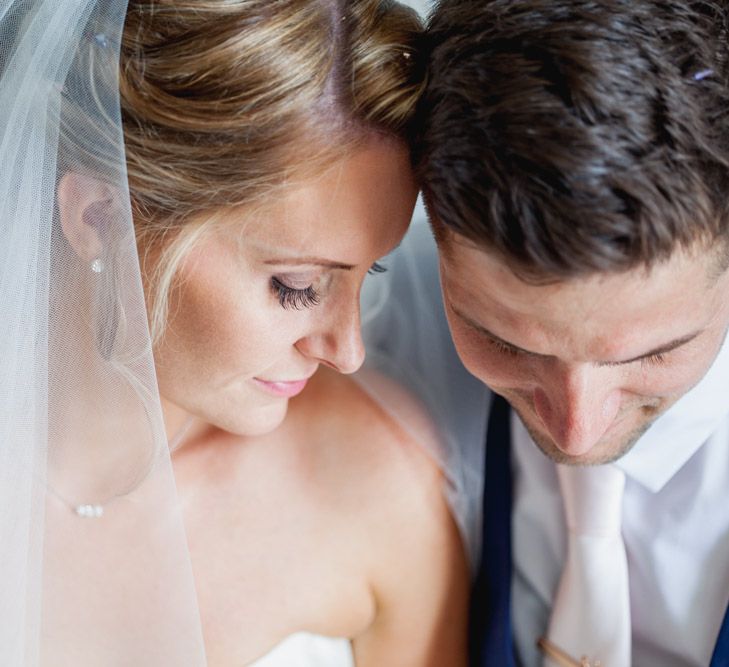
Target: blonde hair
(223, 103)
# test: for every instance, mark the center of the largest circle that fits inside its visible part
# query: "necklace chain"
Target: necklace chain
(96, 510)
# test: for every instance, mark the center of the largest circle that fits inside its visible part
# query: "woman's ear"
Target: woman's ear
(85, 206)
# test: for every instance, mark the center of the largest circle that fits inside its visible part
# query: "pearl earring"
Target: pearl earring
(97, 266)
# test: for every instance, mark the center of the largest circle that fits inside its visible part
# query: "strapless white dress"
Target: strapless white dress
(307, 650)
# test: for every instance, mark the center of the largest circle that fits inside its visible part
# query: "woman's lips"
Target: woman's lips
(282, 389)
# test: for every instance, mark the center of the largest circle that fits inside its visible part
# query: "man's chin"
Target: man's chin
(603, 452)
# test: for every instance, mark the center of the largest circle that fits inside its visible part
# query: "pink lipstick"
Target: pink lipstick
(282, 389)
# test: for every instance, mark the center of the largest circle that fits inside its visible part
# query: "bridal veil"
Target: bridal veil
(93, 558)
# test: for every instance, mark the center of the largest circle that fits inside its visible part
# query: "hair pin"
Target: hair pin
(702, 74)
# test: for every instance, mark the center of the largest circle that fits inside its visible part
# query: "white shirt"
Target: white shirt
(675, 527)
(676, 503)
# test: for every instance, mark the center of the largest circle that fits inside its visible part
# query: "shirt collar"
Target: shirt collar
(677, 434)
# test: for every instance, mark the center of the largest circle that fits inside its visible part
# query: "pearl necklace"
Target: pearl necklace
(96, 510)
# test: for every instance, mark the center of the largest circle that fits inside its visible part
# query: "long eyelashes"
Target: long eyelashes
(294, 299)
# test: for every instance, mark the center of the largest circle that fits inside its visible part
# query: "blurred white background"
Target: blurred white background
(421, 5)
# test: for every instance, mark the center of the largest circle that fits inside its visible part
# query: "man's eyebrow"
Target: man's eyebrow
(309, 261)
(662, 349)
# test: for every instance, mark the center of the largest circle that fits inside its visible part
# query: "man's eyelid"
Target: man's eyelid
(494, 339)
(613, 364)
(659, 354)
(653, 357)
(510, 348)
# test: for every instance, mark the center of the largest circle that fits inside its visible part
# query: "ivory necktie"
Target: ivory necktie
(591, 612)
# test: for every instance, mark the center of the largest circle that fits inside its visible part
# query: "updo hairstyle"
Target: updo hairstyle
(226, 102)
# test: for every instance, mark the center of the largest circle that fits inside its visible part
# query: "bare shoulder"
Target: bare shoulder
(373, 452)
(371, 435)
(376, 454)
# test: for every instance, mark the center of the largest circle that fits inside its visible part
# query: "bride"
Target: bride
(193, 192)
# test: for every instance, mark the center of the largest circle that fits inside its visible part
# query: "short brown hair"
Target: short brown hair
(574, 137)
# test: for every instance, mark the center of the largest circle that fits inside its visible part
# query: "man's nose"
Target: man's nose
(577, 406)
(338, 343)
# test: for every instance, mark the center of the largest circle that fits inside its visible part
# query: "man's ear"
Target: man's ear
(85, 206)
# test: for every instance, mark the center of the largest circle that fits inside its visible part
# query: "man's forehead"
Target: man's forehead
(616, 312)
(704, 263)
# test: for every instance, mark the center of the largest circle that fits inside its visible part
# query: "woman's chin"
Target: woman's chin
(251, 422)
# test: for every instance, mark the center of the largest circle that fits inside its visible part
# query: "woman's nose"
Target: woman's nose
(577, 407)
(339, 343)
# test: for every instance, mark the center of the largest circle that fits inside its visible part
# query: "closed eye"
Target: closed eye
(657, 359)
(292, 298)
(502, 348)
(654, 359)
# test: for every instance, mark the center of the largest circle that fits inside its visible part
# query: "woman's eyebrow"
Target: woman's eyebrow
(309, 261)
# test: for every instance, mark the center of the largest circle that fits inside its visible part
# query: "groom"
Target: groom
(574, 158)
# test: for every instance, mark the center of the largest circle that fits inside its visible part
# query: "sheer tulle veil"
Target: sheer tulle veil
(93, 558)
(407, 339)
